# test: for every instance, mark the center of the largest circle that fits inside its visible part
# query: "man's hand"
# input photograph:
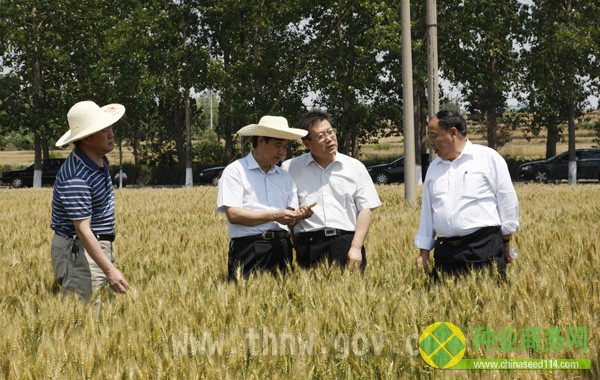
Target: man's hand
(305, 211)
(288, 217)
(422, 261)
(117, 281)
(355, 257)
(506, 251)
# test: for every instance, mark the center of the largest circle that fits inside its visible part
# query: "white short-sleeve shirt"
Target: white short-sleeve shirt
(244, 184)
(341, 191)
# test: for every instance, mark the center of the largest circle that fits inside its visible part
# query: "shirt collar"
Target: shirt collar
(468, 150)
(310, 159)
(253, 164)
(87, 161)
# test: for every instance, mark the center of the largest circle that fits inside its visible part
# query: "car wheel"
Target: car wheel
(215, 180)
(541, 176)
(17, 182)
(382, 178)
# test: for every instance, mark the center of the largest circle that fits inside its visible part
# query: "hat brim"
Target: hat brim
(277, 133)
(104, 121)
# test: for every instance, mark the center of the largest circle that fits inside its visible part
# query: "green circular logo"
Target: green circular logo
(442, 345)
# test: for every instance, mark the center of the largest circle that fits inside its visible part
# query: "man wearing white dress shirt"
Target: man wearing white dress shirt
(469, 208)
(341, 193)
(260, 202)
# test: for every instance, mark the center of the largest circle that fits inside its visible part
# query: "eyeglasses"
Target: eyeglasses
(321, 136)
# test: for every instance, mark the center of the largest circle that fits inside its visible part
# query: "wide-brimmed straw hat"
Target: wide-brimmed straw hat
(86, 118)
(273, 126)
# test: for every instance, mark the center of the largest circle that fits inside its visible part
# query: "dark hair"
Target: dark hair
(255, 140)
(311, 118)
(77, 143)
(450, 119)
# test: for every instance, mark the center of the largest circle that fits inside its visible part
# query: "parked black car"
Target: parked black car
(24, 177)
(211, 175)
(557, 167)
(394, 171)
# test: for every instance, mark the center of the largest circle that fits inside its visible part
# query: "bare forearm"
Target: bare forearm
(363, 222)
(245, 217)
(92, 245)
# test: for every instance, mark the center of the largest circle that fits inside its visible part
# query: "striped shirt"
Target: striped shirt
(83, 190)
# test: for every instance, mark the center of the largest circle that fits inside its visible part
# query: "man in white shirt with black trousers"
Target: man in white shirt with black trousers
(341, 193)
(469, 209)
(259, 200)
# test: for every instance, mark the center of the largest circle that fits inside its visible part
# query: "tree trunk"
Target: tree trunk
(134, 148)
(492, 135)
(419, 121)
(228, 126)
(178, 129)
(551, 140)
(354, 140)
(491, 128)
(45, 150)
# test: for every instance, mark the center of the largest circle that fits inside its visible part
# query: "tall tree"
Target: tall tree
(257, 51)
(353, 44)
(562, 64)
(476, 44)
(38, 45)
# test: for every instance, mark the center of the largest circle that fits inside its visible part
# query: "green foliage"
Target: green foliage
(259, 64)
(353, 45)
(209, 150)
(478, 53)
(450, 106)
(561, 63)
(16, 140)
(268, 57)
(380, 146)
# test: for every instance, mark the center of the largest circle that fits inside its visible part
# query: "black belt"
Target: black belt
(106, 237)
(269, 235)
(327, 232)
(458, 241)
(100, 237)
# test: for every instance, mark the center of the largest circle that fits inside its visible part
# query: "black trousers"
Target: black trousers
(477, 251)
(254, 254)
(310, 251)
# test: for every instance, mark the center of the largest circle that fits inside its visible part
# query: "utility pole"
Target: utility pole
(189, 176)
(408, 110)
(433, 98)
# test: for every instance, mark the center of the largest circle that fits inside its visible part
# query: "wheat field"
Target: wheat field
(181, 319)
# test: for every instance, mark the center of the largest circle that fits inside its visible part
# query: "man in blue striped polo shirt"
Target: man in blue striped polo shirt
(83, 205)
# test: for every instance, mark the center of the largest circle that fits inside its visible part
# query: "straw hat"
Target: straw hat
(86, 118)
(272, 126)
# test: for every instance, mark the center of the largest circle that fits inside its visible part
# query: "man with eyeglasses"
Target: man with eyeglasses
(341, 193)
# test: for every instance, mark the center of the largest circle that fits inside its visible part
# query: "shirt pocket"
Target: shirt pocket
(439, 186)
(277, 195)
(474, 185)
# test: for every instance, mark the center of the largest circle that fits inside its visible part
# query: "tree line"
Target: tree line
(273, 57)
